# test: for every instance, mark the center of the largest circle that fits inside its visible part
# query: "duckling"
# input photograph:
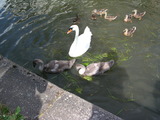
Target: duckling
(54, 66)
(110, 18)
(94, 68)
(138, 15)
(93, 17)
(76, 20)
(128, 18)
(129, 32)
(99, 12)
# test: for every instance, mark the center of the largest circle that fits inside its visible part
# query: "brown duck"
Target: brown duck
(110, 18)
(128, 18)
(93, 17)
(76, 20)
(129, 32)
(138, 15)
(99, 12)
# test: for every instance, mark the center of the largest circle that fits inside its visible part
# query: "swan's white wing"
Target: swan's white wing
(84, 41)
(82, 44)
(87, 31)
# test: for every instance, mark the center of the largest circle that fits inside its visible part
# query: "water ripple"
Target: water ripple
(3, 41)
(39, 27)
(7, 29)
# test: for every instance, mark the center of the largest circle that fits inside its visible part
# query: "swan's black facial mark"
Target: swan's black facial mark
(70, 30)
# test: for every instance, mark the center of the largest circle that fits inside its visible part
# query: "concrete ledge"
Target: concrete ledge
(42, 100)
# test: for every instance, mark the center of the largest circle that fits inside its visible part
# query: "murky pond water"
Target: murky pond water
(32, 29)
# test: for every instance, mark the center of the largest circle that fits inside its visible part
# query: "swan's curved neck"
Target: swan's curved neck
(76, 33)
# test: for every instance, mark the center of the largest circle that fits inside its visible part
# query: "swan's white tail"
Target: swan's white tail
(87, 30)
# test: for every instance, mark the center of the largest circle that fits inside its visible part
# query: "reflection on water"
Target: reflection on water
(37, 29)
(2, 3)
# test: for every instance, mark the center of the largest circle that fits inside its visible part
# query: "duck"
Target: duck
(129, 32)
(110, 18)
(54, 66)
(81, 42)
(138, 15)
(128, 18)
(76, 20)
(99, 12)
(94, 68)
(93, 17)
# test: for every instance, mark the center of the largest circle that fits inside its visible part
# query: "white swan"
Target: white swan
(81, 43)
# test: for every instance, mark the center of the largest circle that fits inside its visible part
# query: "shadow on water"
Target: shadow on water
(156, 94)
(156, 91)
(112, 95)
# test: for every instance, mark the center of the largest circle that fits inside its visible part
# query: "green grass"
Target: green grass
(6, 114)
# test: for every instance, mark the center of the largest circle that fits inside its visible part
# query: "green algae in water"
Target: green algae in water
(93, 58)
(114, 49)
(74, 83)
(148, 55)
(79, 90)
(120, 111)
(89, 78)
(120, 99)
(85, 64)
(131, 99)
(123, 58)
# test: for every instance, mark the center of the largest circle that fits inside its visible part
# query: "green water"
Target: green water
(131, 89)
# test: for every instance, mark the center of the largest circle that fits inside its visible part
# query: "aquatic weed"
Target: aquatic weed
(6, 114)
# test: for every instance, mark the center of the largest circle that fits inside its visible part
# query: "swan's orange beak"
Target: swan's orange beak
(70, 30)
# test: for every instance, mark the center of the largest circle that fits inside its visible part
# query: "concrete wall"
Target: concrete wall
(41, 100)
